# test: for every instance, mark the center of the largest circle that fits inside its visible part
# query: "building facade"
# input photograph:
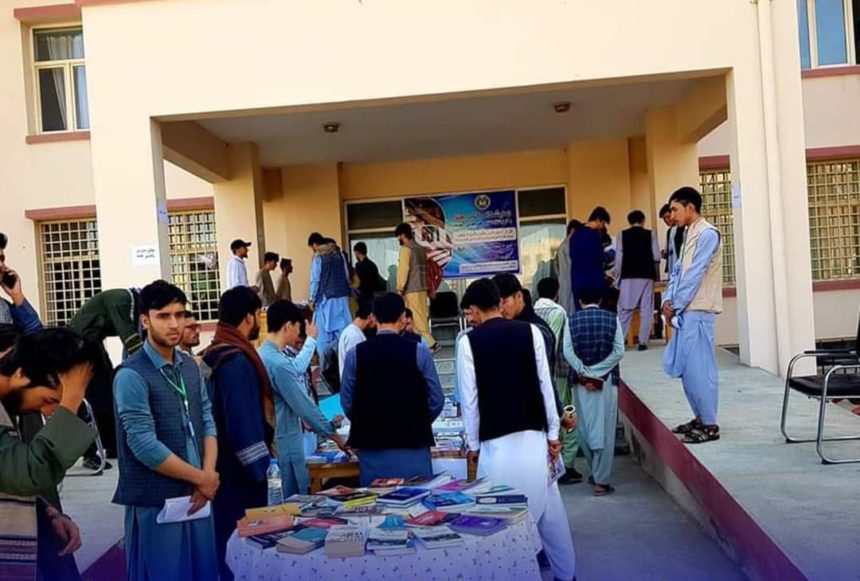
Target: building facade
(141, 136)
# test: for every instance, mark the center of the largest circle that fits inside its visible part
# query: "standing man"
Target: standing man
(510, 417)
(190, 334)
(674, 239)
(637, 263)
(565, 294)
(354, 334)
(167, 448)
(18, 310)
(389, 372)
(593, 348)
(244, 412)
(329, 290)
(412, 280)
(587, 255)
(285, 287)
(237, 272)
(292, 403)
(691, 304)
(548, 309)
(263, 280)
(369, 281)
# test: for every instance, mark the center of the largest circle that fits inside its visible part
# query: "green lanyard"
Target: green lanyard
(180, 389)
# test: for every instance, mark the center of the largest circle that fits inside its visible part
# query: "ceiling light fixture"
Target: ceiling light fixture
(562, 107)
(331, 127)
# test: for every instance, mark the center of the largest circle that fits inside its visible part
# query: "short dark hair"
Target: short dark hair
(44, 355)
(158, 295)
(635, 217)
(236, 304)
(388, 308)
(8, 335)
(665, 209)
(547, 288)
(408, 312)
(527, 297)
(573, 225)
(271, 257)
(282, 312)
(404, 229)
(483, 294)
(360, 247)
(508, 284)
(364, 311)
(600, 213)
(285, 262)
(4, 240)
(687, 195)
(315, 238)
(590, 296)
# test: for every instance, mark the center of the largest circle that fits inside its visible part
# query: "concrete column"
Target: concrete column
(239, 208)
(671, 163)
(128, 179)
(775, 308)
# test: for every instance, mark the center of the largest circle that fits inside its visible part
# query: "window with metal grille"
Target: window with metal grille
(834, 219)
(717, 209)
(194, 260)
(71, 274)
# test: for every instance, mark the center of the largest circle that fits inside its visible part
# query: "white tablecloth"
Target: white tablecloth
(508, 554)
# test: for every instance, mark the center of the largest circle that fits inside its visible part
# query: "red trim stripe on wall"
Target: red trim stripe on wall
(89, 211)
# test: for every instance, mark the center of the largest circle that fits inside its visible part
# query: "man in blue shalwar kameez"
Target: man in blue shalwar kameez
(587, 256)
(329, 291)
(167, 446)
(292, 402)
(691, 303)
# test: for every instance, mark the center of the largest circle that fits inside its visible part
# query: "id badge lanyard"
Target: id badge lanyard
(183, 394)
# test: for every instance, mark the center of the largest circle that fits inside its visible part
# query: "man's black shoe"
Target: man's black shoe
(571, 476)
(643, 347)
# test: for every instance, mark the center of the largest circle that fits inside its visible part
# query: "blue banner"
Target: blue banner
(467, 235)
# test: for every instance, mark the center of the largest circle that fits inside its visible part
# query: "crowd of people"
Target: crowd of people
(535, 380)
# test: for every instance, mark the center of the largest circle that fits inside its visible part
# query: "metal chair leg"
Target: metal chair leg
(100, 449)
(820, 439)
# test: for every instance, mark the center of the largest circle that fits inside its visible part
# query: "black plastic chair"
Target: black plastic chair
(445, 312)
(838, 378)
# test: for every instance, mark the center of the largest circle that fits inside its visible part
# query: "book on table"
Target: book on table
(247, 528)
(461, 485)
(503, 499)
(346, 541)
(489, 489)
(269, 511)
(320, 511)
(429, 482)
(269, 540)
(324, 522)
(403, 496)
(478, 525)
(432, 518)
(302, 541)
(336, 490)
(307, 500)
(387, 542)
(387, 482)
(354, 499)
(439, 537)
(448, 501)
(511, 513)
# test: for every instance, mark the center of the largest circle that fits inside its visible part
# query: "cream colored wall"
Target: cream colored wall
(599, 175)
(181, 184)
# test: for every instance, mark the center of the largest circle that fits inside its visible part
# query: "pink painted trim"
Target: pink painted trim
(834, 285)
(204, 203)
(830, 72)
(710, 162)
(51, 13)
(58, 137)
(104, 2)
(749, 540)
(111, 566)
(833, 153)
(730, 291)
(61, 213)
(208, 327)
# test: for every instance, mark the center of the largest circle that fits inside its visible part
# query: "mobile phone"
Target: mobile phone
(9, 279)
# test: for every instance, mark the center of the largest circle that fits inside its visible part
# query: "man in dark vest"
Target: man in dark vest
(167, 447)
(391, 394)
(510, 417)
(637, 261)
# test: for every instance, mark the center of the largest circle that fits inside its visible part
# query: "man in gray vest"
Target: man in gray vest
(412, 281)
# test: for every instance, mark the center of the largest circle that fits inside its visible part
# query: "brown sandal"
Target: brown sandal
(694, 424)
(702, 435)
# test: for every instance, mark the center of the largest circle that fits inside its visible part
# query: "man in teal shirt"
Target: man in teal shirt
(292, 402)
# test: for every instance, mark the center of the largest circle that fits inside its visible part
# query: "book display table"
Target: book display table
(319, 472)
(508, 554)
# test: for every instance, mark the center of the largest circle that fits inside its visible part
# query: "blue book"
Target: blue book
(403, 496)
(503, 499)
(448, 501)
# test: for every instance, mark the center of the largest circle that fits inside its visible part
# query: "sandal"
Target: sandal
(606, 489)
(700, 436)
(692, 425)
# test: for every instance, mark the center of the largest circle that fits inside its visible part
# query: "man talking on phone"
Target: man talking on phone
(16, 311)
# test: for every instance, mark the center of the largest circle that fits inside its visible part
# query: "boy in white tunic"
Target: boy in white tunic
(509, 411)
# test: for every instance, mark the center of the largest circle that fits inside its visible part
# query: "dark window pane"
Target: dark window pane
(545, 202)
(59, 45)
(803, 27)
(830, 27)
(374, 215)
(52, 102)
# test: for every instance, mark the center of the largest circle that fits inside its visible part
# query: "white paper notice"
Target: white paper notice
(176, 510)
(736, 196)
(144, 255)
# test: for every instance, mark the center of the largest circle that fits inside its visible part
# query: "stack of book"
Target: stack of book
(403, 497)
(448, 501)
(269, 540)
(272, 524)
(438, 538)
(302, 541)
(389, 542)
(512, 514)
(353, 499)
(478, 525)
(346, 541)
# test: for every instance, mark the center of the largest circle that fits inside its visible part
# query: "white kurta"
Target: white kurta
(520, 459)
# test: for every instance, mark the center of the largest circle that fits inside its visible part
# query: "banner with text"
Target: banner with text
(467, 235)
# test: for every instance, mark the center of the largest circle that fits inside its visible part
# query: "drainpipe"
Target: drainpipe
(774, 180)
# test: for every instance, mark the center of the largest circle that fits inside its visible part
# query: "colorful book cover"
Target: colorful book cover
(269, 511)
(337, 490)
(404, 495)
(386, 482)
(447, 500)
(478, 525)
(269, 540)
(432, 518)
(503, 499)
(460, 485)
(248, 528)
(324, 523)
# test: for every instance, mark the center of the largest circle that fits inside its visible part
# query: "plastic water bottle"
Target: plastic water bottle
(276, 490)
